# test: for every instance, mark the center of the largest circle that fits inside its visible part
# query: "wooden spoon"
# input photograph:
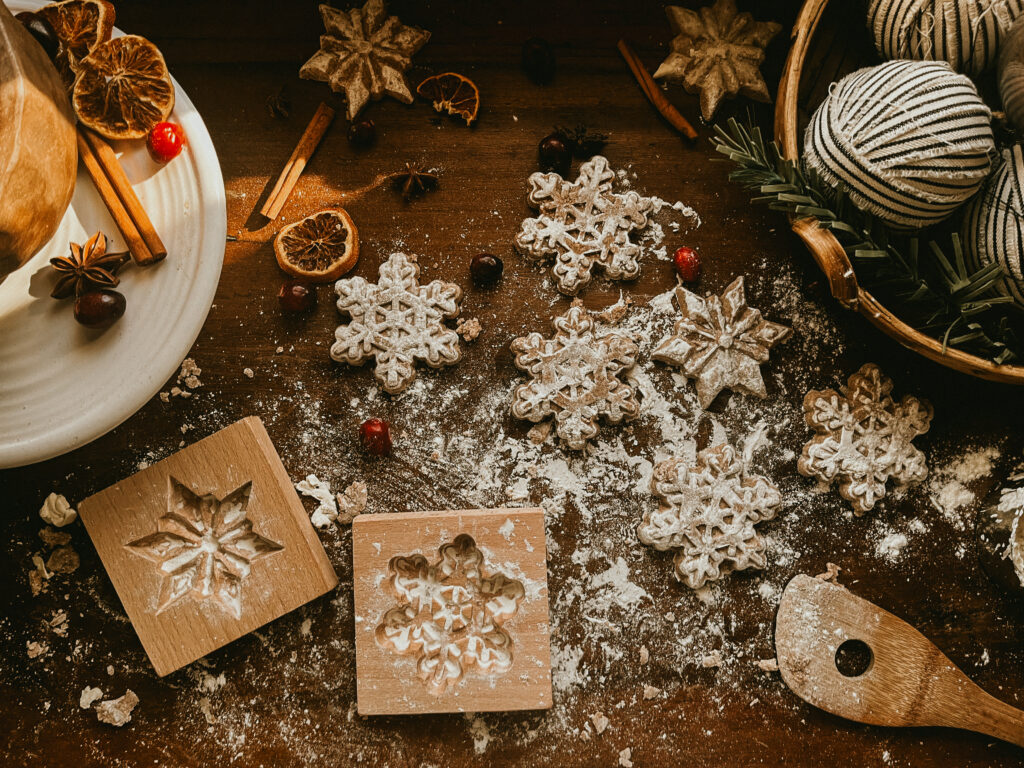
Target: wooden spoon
(908, 681)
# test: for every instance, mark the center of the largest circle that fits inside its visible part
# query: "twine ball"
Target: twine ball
(907, 141)
(993, 226)
(965, 33)
(1011, 75)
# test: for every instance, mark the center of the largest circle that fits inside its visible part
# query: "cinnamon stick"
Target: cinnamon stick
(654, 94)
(111, 166)
(307, 145)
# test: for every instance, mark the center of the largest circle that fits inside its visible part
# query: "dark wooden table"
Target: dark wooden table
(287, 695)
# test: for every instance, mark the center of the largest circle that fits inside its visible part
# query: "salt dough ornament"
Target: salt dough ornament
(583, 223)
(708, 513)
(1000, 530)
(717, 52)
(721, 343)
(575, 377)
(365, 54)
(397, 321)
(450, 614)
(864, 437)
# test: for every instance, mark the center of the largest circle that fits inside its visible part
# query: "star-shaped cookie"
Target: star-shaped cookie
(717, 52)
(720, 342)
(365, 54)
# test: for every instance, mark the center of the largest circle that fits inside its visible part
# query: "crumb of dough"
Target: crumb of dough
(645, 655)
(468, 328)
(711, 660)
(831, 573)
(36, 649)
(600, 722)
(768, 665)
(626, 758)
(651, 692)
(539, 432)
(63, 560)
(117, 712)
(54, 538)
(249, 372)
(89, 697)
(351, 502)
(57, 511)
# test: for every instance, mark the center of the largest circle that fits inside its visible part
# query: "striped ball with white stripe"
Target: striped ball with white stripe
(966, 33)
(993, 227)
(909, 141)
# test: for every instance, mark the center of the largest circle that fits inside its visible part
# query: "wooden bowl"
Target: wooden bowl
(829, 41)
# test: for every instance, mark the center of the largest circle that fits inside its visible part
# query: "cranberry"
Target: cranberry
(375, 435)
(296, 296)
(362, 134)
(99, 309)
(554, 154)
(41, 30)
(539, 60)
(485, 269)
(165, 142)
(687, 264)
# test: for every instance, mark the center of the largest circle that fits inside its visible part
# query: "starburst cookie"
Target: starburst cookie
(575, 378)
(397, 321)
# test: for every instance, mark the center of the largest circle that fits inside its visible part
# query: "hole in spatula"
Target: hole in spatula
(853, 658)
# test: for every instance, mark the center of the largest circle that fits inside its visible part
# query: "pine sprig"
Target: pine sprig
(946, 300)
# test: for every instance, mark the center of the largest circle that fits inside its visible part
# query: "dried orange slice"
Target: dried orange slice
(320, 248)
(452, 92)
(123, 88)
(80, 26)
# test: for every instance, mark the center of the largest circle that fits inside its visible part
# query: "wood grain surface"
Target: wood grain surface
(285, 694)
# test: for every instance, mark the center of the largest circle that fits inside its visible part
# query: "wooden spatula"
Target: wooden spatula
(908, 681)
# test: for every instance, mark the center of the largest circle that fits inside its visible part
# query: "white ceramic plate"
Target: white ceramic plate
(61, 385)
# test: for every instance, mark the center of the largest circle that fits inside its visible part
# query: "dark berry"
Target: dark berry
(296, 296)
(687, 264)
(41, 30)
(375, 435)
(554, 154)
(539, 60)
(99, 309)
(485, 269)
(362, 134)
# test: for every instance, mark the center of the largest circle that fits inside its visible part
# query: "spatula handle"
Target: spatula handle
(986, 714)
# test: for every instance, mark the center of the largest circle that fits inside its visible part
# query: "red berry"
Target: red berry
(554, 154)
(485, 269)
(375, 435)
(362, 134)
(165, 142)
(296, 296)
(687, 264)
(99, 309)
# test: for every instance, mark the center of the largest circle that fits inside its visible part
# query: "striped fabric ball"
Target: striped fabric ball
(1011, 75)
(993, 226)
(966, 33)
(908, 141)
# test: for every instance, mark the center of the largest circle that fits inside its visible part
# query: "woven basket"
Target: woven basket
(827, 44)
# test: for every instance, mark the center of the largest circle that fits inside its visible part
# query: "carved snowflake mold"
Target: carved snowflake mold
(575, 377)
(583, 224)
(721, 342)
(364, 54)
(204, 546)
(451, 615)
(708, 512)
(397, 321)
(864, 437)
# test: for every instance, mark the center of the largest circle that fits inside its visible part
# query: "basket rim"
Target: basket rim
(826, 249)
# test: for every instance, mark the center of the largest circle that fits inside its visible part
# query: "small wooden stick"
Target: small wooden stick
(654, 94)
(136, 245)
(111, 166)
(297, 162)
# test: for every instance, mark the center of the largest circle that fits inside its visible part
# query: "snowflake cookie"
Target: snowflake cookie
(364, 53)
(397, 321)
(451, 614)
(708, 513)
(720, 342)
(575, 377)
(864, 437)
(583, 223)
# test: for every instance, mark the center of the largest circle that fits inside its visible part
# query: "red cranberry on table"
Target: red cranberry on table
(687, 264)
(485, 269)
(555, 154)
(375, 435)
(362, 134)
(296, 296)
(41, 30)
(99, 309)
(165, 142)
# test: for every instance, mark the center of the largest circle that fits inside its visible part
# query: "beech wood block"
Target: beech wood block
(451, 611)
(207, 545)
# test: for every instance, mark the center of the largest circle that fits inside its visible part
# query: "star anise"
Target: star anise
(88, 266)
(414, 180)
